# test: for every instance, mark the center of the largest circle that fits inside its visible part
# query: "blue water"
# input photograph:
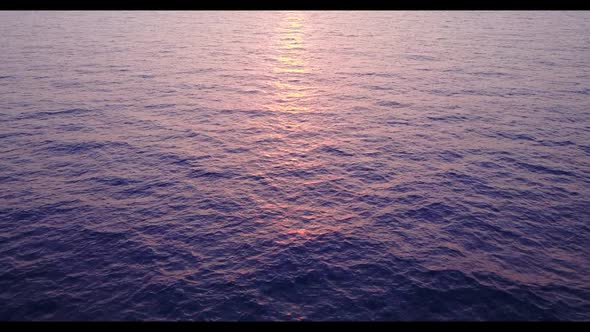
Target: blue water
(295, 166)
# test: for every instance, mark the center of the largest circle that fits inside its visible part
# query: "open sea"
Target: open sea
(231, 166)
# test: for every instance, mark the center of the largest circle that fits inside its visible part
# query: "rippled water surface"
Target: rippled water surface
(294, 165)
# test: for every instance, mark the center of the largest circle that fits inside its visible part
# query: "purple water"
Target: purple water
(294, 165)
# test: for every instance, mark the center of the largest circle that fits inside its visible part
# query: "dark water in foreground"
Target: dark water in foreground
(294, 166)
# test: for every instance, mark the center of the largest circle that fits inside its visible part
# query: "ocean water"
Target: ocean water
(294, 165)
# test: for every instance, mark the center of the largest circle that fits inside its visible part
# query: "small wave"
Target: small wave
(333, 150)
(434, 212)
(421, 57)
(46, 114)
(556, 143)
(160, 106)
(81, 147)
(393, 104)
(10, 135)
(210, 175)
(448, 118)
(113, 181)
(450, 156)
(512, 136)
(543, 169)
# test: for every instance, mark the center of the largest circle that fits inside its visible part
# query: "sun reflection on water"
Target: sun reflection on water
(290, 66)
